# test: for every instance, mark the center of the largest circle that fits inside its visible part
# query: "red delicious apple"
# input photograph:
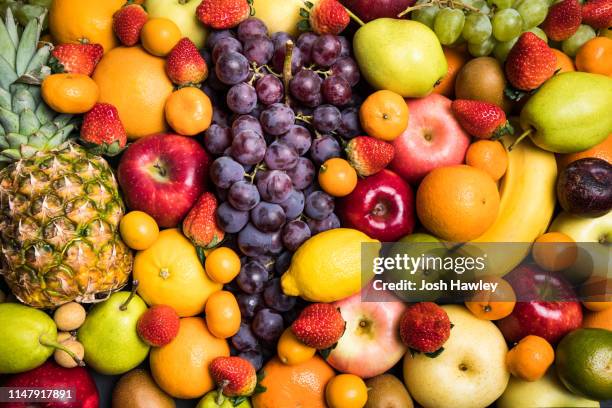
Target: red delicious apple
(381, 206)
(370, 344)
(369, 10)
(547, 306)
(432, 139)
(163, 175)
(51, 376)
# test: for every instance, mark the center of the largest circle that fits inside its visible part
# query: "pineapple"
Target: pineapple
(59, 204)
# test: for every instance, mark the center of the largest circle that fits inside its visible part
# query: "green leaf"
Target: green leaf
(309, 4)
(27, 47)
(325, 353)
(11, 27)
(23, 100)
(16, 140)
(28, 122)
(304, 13)
(435, 353)
(9, 120)
(238, 400)
(7, 74)
(201, 254)
(7, 48)
(5, 99)
(39, 59)
(515, 94)
(303, 25)
(44, 113)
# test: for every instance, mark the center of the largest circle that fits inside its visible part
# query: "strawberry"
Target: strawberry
(483, 120)
(200, 225)
(369, 155)
(127, 23)
(326, 17)
(563, 20)
(158, 326)
(102, 130)
(319, 325)
(530, 62)
(223, 14)
(424, 327)
(597, 13)
(76, 58)
(185, 65)
(234, 376)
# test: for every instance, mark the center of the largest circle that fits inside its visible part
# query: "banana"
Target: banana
(527, 203)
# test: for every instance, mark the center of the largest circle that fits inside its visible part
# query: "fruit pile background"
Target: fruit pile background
(186, 188)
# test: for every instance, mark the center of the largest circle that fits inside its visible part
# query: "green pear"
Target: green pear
(112, 345)
(570, 113)
(402, 56)
(27, 339)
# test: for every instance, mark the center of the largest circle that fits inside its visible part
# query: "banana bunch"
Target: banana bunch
(527, 204)
(27, 124)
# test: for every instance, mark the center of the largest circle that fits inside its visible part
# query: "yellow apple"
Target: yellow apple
(280, 15)
(470, 372)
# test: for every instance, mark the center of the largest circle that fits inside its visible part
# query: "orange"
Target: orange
(159, 36)
(136, 83)
(601, 151)
(170, 273)
(337, 177)
(564, 62)
(530, 358)
(488, 155)
(455, 59)
(457, 203)
(72, 21)
(496, 305)
(346, 391)
(595, 56)
(598, 320)
(222, 264)
(70, 93)
(222, 314)
(138, 230)
(597, 306)
(181, 367)
(384, 115)
(188, 111)
(291, 351)
(554, 251)
(300, 385)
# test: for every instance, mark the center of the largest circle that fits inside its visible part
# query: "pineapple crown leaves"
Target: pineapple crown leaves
(27, 124)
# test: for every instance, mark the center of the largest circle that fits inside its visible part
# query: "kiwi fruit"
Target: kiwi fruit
(386, 391)
(483, 79)
(137, 389)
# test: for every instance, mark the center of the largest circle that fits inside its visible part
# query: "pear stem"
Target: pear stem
(354, 17)
(124, 305)
(51, 343)
(519, 139)
(287, 75)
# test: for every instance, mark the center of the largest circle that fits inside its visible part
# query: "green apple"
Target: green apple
(183, 13)
(570, 112)
(112, 345)
(471, 370)
(593, 236)
(280, 15)
(545, 392)
(27, 339)
(402, 56)
(210, 401)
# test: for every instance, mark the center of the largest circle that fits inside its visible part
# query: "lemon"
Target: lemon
(327, 267)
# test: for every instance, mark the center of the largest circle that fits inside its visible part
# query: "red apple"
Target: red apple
(381, 206)
(369, 10)
(51, 376)
(163, 175)
(432, 139)
(547, 306)
(370, 344)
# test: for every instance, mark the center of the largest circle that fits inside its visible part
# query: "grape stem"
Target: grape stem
(440, 3)
(287, 75)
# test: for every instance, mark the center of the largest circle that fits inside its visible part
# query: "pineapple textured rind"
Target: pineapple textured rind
(59, 220)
